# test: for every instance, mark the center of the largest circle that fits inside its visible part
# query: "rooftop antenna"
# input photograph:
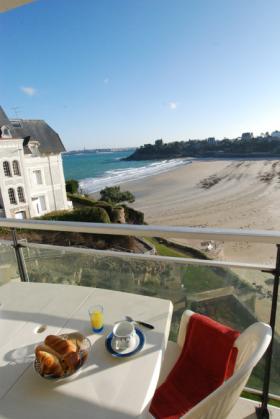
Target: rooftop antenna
(17, 110)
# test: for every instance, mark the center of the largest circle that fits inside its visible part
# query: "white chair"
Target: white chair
(251, 344)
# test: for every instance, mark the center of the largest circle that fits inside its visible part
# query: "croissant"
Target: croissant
(49, 363)
(58, 356)
(72, 361)
(59, 346)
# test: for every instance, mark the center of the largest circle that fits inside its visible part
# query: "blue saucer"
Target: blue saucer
(139, 345)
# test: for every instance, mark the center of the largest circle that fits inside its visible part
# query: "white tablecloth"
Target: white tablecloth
(105, 387)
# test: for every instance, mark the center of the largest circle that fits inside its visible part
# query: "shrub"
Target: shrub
(72, 185)
(133, 216)
(79, 199)
(114, 195)
(82, 201)
(87, 214)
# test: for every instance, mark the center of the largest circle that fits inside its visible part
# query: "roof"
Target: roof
(38, 130)
(33, 129)
(4, 120)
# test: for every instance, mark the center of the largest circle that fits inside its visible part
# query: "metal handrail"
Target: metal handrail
(199, 233)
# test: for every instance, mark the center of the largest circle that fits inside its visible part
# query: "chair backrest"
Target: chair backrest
(251, 344)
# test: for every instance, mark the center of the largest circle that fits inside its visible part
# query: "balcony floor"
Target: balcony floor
(245, 409)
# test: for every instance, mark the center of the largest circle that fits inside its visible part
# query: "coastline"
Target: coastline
(235, 194)
(242, 194)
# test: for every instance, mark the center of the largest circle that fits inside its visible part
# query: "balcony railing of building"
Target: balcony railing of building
(224, 290)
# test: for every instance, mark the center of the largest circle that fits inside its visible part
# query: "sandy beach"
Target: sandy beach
(216, 193)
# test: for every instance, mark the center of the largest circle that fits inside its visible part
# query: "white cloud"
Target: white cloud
(172, 105)
(28, 90)
(106, 81)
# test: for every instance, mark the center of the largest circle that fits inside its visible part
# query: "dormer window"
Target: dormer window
(34, 147)
(5, 132)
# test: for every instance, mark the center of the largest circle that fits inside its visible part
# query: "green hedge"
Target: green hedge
(87, 214)
(88, 202)
(133, 216)
(79, 199)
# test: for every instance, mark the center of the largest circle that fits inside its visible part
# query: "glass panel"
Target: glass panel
(8, 264)
(20, 194)
(37, 177)
(6, 167)
(12, 196)
(42, 203)
(235, 297)
(16, 168)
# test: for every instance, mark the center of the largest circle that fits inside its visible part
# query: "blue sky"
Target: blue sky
(114, 73)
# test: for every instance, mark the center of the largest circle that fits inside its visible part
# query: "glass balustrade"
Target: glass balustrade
(227, 294)
(8, 264)
(232, 293)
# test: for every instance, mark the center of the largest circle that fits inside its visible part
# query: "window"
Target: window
(42, 203)
(12, 196)
(39, 204)
(34, 147)
(16, 168)
(7, 169)
(37, 176)
(20, 194)
(21, 215)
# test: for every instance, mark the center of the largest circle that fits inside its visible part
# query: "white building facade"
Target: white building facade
(31, 173)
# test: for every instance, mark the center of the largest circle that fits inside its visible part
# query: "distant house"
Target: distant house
(211, 140)
(31, 173)
(159, 143)
(275, 134)
(247, 136)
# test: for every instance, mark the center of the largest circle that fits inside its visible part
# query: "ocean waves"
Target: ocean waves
(128, 174)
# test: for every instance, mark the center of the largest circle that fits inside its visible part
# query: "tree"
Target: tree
(114, 195)
(72, 186)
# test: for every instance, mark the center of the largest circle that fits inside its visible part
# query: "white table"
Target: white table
(105, 387)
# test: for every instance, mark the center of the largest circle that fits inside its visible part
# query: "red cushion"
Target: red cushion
(206, 361)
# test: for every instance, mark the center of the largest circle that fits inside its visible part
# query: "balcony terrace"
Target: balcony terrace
(217, 288)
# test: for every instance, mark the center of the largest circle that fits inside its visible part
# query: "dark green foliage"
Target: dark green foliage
(257, 146)
(114, 195)
(86, 214)
(72, 186)
(133, 216)
(82, 200)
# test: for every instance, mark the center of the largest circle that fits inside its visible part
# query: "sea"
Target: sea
(96, 170)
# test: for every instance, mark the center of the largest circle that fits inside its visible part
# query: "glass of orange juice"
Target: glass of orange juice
(96, 315)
